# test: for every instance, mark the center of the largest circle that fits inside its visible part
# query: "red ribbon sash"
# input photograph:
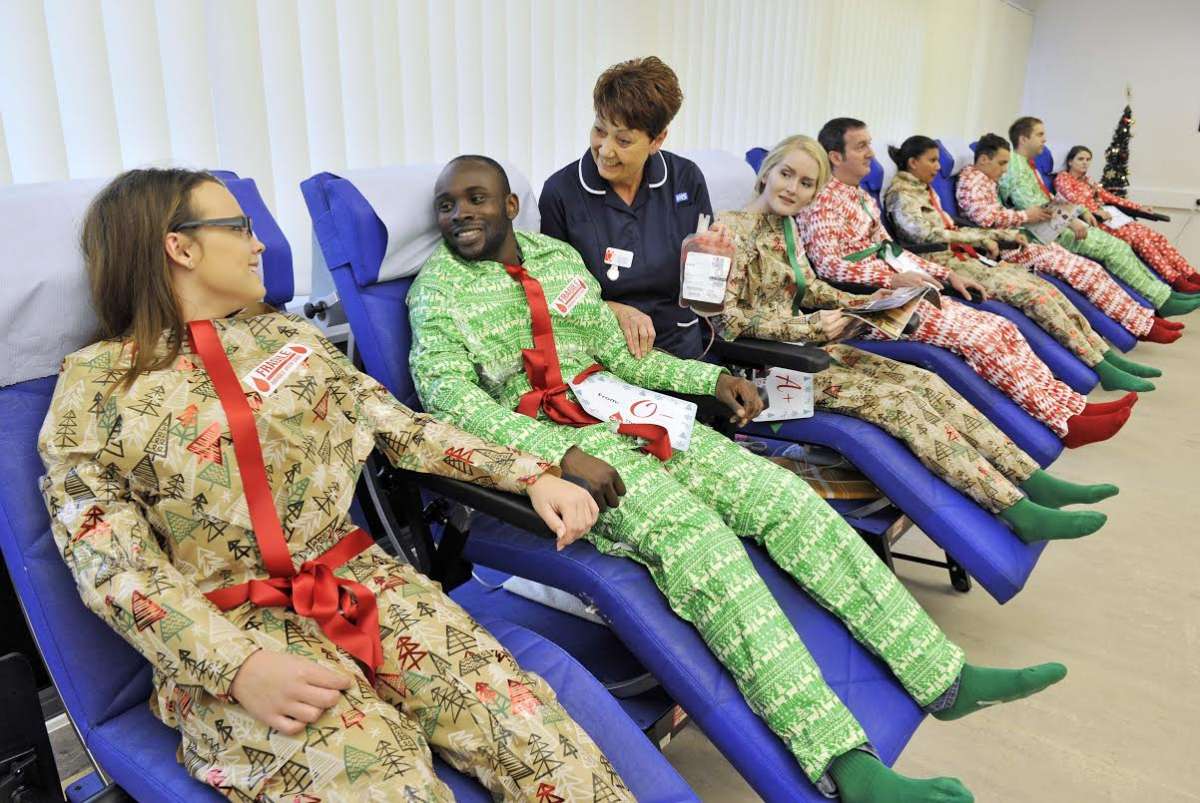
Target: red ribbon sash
(344, 609)
(544, 371)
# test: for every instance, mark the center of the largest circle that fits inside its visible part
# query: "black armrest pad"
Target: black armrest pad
(750, 351)
(1137, 213)
(510, 508)
(923, 248)
(853, 287)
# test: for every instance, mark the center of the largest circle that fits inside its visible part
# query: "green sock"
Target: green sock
(1178, 304)
(1032, 522)
(1129, 366)
(1049, 491)
(862, 778)
(1113, 378)
(980, 687)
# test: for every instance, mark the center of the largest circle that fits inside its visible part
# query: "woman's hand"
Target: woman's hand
(567, 509)
(286, 692)
(834, 322)
(1037, 214)
(1079, 229)
(1022, 239)
(740, 396)
(914, 278)
(636, 326)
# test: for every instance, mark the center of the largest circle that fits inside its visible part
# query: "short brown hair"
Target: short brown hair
(1023, 127)
(642, 94)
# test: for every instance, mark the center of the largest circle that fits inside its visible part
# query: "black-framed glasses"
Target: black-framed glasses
(242, 224)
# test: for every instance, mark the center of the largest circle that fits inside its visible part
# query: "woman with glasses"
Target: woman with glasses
(201, 461)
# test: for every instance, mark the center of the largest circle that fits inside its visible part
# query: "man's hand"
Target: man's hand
(992, 247)
(1021, 238)
(965, 287)
(914, 278)
(636, 326)
(1102, 215)
(741, 396)
(568, 510)
(1088, 218)
(1037, 214)
(1079, 229)
(286, 692)
(603, 480)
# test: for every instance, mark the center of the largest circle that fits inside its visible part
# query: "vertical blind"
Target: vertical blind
(279, 89)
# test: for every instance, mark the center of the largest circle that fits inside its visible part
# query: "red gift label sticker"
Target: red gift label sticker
(272, 372)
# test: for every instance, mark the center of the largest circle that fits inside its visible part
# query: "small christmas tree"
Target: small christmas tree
(1116, 158)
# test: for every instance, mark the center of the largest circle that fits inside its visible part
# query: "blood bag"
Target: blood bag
(704, 265)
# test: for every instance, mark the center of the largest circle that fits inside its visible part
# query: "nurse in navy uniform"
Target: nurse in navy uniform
(627, 204)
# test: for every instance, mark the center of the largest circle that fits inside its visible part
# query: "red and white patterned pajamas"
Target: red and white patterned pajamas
(1152, 246)
(978, 199)
(843, 220)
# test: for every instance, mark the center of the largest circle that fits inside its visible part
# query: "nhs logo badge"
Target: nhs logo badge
(681, 197)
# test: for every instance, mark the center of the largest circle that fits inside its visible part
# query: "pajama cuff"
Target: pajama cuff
(825, 784)
(947, 698)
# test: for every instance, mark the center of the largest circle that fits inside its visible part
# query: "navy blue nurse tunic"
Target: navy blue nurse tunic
(581, 208)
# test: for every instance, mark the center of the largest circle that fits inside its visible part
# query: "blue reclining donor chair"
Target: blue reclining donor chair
(373, 248)
(103, 682)
(978, 541)
(1062, 363)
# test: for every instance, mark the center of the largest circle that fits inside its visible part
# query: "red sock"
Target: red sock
(1126, 402)
(1187, 284)
(1161, 334)
(1085, 429)
(1175, 326)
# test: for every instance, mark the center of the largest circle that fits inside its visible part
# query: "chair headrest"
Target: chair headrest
(402, 197)
(754, 158)
(730, 180)
(960, 153)
(1044, 160)
(945, 160)
(45, 306)
(277, 259)
(873, 182)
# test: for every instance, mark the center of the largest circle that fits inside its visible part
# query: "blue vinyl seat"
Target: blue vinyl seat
(103, 682)
(372, 270)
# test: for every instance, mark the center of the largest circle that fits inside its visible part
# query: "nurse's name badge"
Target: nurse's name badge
(616, 258)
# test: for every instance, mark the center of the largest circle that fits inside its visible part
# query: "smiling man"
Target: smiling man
(502, 320)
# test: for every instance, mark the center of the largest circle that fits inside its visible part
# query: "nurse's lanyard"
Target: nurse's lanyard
(344, 609)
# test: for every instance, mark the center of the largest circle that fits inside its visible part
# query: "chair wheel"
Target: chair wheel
(959, 579)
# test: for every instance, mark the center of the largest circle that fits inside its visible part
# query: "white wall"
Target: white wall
(280, 89)
(1084, 54)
